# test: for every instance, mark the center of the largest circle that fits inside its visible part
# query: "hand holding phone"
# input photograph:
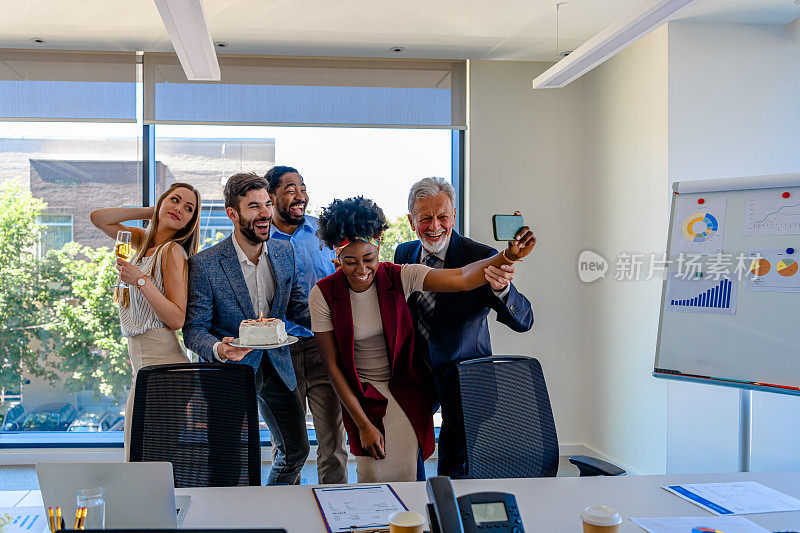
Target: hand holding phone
(506, 227)
(520, 239)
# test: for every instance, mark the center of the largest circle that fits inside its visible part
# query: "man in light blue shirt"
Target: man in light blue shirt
(290, 223)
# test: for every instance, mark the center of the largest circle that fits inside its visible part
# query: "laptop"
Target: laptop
(138, 495)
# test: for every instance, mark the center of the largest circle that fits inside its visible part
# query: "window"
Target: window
(64, 369)
(214, 223)
(335, 163)
(56, 232)
(62, 348)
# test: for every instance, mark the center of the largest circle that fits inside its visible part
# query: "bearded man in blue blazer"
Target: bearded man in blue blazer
(248, 275)
(453, 327)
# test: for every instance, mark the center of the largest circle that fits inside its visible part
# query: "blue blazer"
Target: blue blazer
(219, 301)
(460, 329)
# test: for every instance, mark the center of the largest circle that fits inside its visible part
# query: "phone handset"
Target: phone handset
(445, 516)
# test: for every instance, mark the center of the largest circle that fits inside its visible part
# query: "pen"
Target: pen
(370, 529)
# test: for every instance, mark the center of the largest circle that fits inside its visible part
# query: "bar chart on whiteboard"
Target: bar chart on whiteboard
(773, 212)
(701, 295)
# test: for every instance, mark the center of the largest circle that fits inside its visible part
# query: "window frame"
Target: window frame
(37, 443)
(71, 224)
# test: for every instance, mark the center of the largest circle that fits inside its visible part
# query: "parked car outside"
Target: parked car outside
(50, 417)
(95, 421)
(119, 425)
(13, 417)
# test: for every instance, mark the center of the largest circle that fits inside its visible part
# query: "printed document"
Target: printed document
(728, 524)
(360, 506)
(739, 497)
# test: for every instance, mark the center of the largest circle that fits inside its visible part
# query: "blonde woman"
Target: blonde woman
(154, 305)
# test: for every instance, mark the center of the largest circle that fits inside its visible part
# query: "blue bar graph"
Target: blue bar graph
(718, 297)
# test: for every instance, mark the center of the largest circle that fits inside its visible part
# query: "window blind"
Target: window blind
(67, 86)
(308, 91)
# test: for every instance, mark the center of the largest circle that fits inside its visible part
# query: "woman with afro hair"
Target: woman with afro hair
(365, 333)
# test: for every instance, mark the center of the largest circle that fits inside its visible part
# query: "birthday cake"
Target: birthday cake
(262, 332)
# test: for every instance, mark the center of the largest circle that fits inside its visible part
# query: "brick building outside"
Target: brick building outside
(75, 176)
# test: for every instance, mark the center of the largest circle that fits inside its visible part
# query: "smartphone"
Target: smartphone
(506, 227)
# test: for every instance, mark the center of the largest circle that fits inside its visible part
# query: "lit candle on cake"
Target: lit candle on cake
(261, 316)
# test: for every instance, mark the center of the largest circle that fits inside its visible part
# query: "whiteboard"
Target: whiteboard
(730, 305)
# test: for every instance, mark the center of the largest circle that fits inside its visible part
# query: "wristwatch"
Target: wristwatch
(141, 281)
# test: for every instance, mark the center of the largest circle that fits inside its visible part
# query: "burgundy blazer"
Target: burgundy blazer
(407, 384)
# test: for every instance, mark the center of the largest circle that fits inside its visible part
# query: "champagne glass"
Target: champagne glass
(123, 249)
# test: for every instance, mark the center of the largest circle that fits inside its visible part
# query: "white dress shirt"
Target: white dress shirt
(259, 280)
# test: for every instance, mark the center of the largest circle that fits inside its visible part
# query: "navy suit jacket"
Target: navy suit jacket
(219, 301)
(460, 329)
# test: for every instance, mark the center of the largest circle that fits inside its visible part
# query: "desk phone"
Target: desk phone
(471, 513)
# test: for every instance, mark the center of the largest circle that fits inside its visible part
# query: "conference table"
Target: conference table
(546, 504)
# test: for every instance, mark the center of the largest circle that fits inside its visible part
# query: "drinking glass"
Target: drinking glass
(123, 249)
(94, 501)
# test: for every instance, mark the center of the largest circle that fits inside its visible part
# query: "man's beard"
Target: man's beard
(247, 228)
(434, 247)
(287, 216)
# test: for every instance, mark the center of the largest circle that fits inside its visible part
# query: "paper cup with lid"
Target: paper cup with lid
(601, 519)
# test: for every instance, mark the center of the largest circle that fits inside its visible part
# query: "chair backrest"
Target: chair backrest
(508, 421)
(200, 417)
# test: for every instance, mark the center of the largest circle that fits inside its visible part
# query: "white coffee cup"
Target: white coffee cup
(601, 519)
(406, 522)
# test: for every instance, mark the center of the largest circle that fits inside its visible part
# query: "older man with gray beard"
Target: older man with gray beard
(453, 327)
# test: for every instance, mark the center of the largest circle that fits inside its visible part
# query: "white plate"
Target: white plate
(291, 339)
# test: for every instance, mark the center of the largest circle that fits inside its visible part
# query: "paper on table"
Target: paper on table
(361, 505)
(739, 497)
(728, 524)
(25, 519)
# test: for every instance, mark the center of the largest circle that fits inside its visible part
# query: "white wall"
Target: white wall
(591, 167)
(691, 101)
(525, 152)
(734, 110)
(625, 135)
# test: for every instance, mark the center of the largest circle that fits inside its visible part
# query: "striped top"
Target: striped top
(139, 317)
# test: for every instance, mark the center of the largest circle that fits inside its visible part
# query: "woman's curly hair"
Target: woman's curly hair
(350, 219)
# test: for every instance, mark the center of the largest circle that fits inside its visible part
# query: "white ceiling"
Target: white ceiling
(463, 29)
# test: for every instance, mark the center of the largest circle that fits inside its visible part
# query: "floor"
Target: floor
(24, 477)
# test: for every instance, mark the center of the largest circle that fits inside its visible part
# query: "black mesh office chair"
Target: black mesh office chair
(200, 417)
(508, 422)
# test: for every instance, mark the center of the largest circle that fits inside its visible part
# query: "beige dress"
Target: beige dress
(150, 341)
(372, 366)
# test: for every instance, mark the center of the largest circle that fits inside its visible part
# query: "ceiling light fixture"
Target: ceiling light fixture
(185, 21)
(397, 49)
(38, 40)
(608, 43)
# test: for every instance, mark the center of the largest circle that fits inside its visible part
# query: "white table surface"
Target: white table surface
(546, 505)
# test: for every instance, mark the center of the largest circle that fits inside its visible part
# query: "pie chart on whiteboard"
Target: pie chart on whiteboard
(699, 227)
(760, 267)
(705, 530)
(786, 267)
